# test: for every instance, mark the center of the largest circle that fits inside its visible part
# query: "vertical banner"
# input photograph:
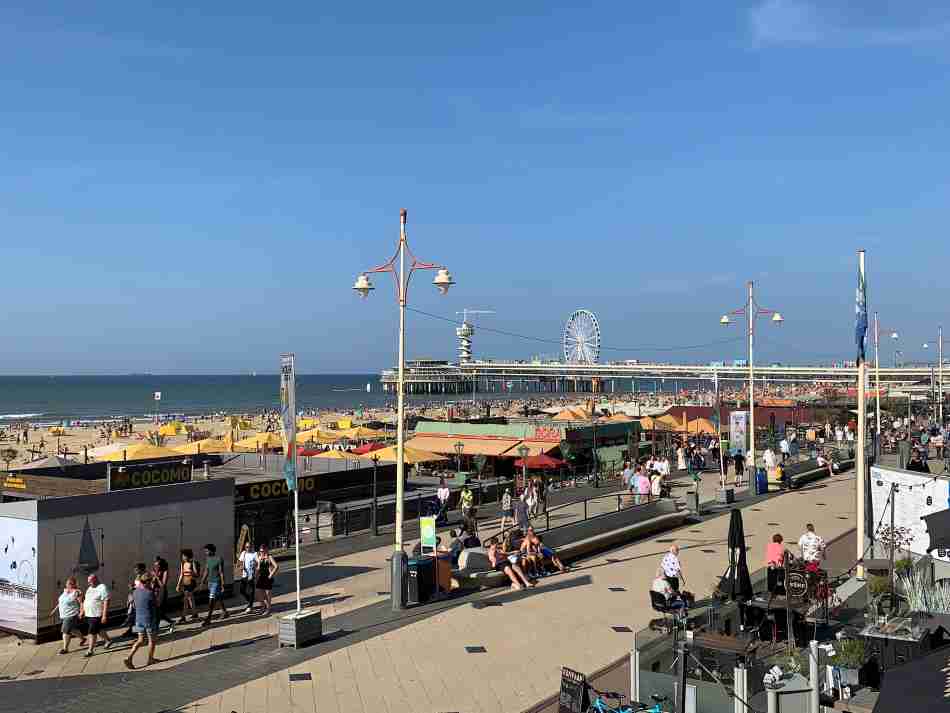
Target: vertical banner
(738, 424)
(288, 418)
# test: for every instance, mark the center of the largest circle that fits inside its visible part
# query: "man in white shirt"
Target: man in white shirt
(812, 547)
(785, 448)
(442, 494)
(95, 608)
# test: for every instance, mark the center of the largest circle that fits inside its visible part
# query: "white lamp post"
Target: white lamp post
(939, 409)
(443, 281)
(877, 374)
(751, 311)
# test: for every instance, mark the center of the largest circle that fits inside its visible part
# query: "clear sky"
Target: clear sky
(192, 189)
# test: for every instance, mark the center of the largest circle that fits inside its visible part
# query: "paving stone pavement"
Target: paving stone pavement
(375, 660)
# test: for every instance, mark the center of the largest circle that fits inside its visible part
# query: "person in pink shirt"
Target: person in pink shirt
(643, 488)
(775, 556)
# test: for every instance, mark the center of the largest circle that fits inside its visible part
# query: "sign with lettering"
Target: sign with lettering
(573, 697)
(14, 482)
(546, 433)
(427, 533)
(796, 585)
(271, 489)
(131, 477)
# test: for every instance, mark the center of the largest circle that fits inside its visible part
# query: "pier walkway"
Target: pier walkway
(483, 652)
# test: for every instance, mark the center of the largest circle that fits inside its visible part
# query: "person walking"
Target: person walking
(672, 569)
(187, 584)
(443, 494)
(522, 519)
(214, 577)
(140, 568)
(160, 584)
(248, 560)
(739, 464)
(267, 569)
(68, 606)
(146, 621)
(95, 609)
(643, 488)
(812, 548)
(507, 512)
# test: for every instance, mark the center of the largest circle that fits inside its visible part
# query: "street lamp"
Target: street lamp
(459, 447)
(877, 376)
(523, 451)
(373, 523)
(363, 286)
(751, 311)
(939, 372)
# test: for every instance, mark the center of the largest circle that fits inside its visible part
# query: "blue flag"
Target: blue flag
(860, 315)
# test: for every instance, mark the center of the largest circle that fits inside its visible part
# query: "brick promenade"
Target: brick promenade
(374, 660)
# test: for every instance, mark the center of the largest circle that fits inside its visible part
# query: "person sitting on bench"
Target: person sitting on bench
(673, 599)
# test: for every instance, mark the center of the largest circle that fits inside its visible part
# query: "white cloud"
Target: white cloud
(798, 22)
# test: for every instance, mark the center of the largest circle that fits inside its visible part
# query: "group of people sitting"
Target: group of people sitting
(525, 561)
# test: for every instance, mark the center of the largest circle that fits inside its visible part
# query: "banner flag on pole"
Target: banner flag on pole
(861, 314)
(288, 418)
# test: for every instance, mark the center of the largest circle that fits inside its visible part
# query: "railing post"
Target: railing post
(585, 508)
(619, 506)
(547, 520)
(346, 522)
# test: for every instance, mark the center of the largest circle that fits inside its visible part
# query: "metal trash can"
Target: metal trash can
(420, 582)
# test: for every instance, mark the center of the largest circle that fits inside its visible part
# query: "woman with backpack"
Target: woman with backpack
(187, 584)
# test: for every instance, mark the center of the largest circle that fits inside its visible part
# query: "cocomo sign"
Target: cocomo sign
(275, 488)
(130, 477)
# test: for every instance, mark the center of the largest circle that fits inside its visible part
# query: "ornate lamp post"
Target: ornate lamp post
(523, 451)
(751, 311)
(363, 286)
(373, 523)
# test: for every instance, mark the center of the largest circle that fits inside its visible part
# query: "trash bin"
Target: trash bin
(761, 481)
(420, 582)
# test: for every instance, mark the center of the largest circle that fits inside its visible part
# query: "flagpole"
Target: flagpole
(860, 334)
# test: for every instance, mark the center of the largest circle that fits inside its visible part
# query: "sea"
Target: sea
(45, 400)
(53, 399)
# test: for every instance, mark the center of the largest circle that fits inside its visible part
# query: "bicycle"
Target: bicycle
(600, 704)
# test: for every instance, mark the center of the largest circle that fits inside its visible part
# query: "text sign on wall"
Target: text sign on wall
(146, 476)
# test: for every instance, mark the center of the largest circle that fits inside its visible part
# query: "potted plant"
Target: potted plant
(849, 657)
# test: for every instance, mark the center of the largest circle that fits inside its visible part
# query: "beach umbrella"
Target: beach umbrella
(335, 455)
(410, 455)
(316, 435)
(738, 583)
(702, 425)
(261, 441)
(205, 445)
(362, 432)
(99, 452)
(368, 448)
(140, 451)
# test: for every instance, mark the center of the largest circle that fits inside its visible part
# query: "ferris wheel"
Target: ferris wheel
(581, 338)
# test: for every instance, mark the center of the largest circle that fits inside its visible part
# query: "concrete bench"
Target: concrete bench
(806, 471)
(579, 539)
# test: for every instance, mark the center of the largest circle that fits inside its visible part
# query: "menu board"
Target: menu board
(573, 698)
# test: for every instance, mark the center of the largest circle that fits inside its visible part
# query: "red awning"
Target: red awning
(539, 462)
(307, 452)
(367, 448)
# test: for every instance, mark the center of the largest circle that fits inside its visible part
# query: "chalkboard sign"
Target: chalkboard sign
(573, 698)
(796, 585)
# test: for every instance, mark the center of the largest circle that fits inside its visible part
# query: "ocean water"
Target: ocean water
(43, 399)
(51, 399)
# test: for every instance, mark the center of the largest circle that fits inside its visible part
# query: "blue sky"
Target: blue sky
(190, 190)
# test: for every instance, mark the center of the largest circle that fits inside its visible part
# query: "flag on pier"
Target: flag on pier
(861, 313)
